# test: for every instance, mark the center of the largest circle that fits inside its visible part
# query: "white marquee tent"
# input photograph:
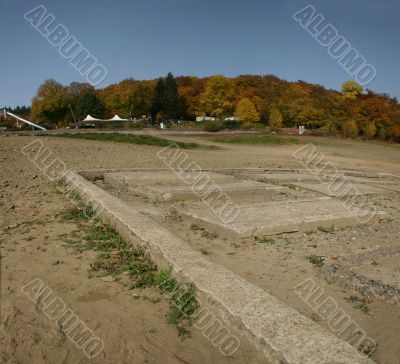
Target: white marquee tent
(115, 118)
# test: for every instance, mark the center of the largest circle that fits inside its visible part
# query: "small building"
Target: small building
(232, 118)
(205, 118)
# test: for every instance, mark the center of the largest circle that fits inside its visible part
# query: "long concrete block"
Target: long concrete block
(283, 334)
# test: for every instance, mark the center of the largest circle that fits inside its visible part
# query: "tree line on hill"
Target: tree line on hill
(256, 100)
(23, 111)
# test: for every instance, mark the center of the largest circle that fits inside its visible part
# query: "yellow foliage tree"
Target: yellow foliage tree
(350, 129)
(218, 97)
(351, 89)
(275, 119)
(246, 111)
(370, 130)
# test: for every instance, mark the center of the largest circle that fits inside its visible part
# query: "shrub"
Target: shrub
(213, 126)
(370, 130)
(253, 126)
(350, 129)
(232, 124)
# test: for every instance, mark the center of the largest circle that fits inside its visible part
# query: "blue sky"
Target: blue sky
(148, 38)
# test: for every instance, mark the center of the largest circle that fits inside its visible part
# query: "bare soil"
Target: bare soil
(33, 243)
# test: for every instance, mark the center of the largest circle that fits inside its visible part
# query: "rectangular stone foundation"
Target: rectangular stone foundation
(196, 192)
(278, 217)
(286, 177)
(385, 270)
(281, 333)
(161, 178)
(338, 190)
(374, 273)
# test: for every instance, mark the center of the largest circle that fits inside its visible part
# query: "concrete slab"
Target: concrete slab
(285, 177)
(379, 182)
(385, 270)
(352, 173)
(392, 188)
(324, 171)
(338, 189)
(196, 192)
(283, 334)
(160, 178)
(277, 217)
(374, 274)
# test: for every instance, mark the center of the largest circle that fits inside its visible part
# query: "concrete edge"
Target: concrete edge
(283, 334)
(368, 287)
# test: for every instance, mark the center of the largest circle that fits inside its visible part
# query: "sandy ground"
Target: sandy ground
(33, 246)
(134, 330)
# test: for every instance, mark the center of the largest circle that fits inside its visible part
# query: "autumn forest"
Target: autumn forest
(258, 101)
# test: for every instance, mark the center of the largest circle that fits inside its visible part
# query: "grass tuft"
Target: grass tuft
(359, 303)
(204, 251)
(115, 256)
(164, 280)
(264, 240)
(183, 305)
(316, 260)
(80, 212)
(325, 230)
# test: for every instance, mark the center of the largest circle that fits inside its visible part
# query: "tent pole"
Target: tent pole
(73, 116)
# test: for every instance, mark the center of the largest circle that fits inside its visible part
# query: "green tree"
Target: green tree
(351, 89)
(246, 111)
(158, 98)
(171, 103)
(167, 101)
(89, 103)
(22, 111)
(275, 119)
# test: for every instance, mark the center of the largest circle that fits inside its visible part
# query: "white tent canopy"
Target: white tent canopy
(115, 118)
(90, 118)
